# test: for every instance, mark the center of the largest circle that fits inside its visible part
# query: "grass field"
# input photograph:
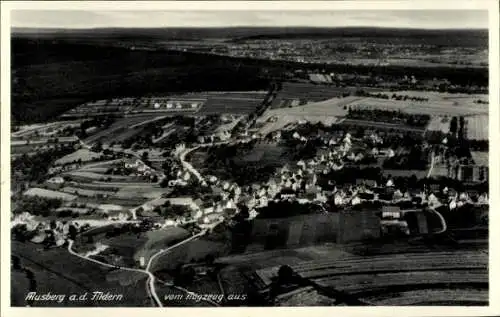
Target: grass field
(392, 280)
(90, 176)
(160, 239)
(434, 108)
(46, 193)
(82, 154)
(59, 272)
(145, 191)
(225, 102)
(121, 128)
(306, 93)
(478, 127)
(85, 192)
(438, 123)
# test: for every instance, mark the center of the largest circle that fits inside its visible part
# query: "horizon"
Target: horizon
(396, 19)
(249, 27)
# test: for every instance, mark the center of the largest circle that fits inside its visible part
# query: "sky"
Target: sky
(427, 19)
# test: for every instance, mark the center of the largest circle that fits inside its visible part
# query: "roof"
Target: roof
(480, 158)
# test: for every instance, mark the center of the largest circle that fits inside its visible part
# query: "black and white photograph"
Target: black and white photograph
(222, 157)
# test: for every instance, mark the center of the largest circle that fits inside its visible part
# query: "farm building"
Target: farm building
(472, 173)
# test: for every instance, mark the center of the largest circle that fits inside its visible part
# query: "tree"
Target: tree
(453, 126)
(97, 147)
(16, 263)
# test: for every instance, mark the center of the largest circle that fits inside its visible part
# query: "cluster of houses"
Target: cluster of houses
(42, 231)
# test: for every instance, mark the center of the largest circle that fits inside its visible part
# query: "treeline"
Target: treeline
(35, 167)
(37, 206)
(416, 120)
(380, 95)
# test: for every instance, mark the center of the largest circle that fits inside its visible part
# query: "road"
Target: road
(190, 168)
(151, 291)
(433, 159)
(150, 283)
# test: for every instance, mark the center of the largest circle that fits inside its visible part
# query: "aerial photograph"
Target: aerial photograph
(183, 158)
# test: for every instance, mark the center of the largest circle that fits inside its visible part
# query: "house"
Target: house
(56, 180)
(392, 212)
(287, 193)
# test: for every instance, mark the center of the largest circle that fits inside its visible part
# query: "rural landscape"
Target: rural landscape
(249, 166)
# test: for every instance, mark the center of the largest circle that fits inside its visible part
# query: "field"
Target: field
(43, 129)
(83, 154)
(118, 106)
(121, 130)
(335, 107)
(295, 94)
(224, 102)
(439, 123)
(460, 99)
(434, 108)
(327, 112)
(193, 250)
(91, 176)
(478, 127)
(160, 239)
(144, 190)
(59, 272)
(40, 192)
(392, 279)
(381, 125)
(86, 192)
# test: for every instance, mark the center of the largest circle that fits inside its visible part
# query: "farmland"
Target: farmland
(224, 102)
(392, 279)
(298, 94)
(439, 123)
(82, 155)
(40, 192)
(121, 128)
(477, 127)
(434, 108)
(59, 272)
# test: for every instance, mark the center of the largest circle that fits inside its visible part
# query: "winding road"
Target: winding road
(150, 283)
(431, 168)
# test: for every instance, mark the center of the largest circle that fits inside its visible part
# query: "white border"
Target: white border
(490, 5)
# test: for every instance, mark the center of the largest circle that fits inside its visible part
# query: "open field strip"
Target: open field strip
(99, 170)
(95, 176)
(102, 164)
(45, 193)
(437, 123)
(143, 192)
(478, 127)
(28, 129)
(82, 154)
(63, 139)
(147, 121)
(430, 295)
(164, 135)
(441, 96)
(371, 282)
(413, 107)
(85, 192)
